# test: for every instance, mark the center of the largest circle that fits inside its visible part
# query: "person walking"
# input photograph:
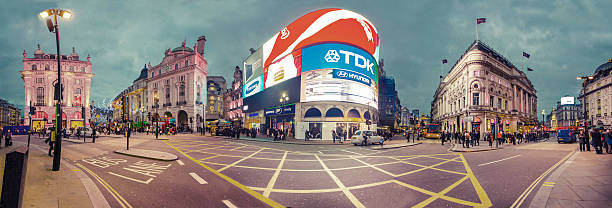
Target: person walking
(333, 133)
(8, 139)
(442, 137)
(581, 142)
(596, 140)
(608, 141)
(51, 141)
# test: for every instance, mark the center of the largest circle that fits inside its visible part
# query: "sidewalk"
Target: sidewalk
(585, 180)
(46, 188)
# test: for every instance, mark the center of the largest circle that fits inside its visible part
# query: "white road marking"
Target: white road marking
(198, 178)
(499, 160)
(180, 162)
(229, 204)
(139, 181)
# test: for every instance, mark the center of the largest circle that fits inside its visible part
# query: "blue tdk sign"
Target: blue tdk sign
(349, 75)
(339, 56)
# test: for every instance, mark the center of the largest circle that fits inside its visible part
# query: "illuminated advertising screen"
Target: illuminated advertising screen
(338, 85)
(269, 98)
(340, 56)
(567, 100)
(253, 66)
(253, 87)
(284, 69)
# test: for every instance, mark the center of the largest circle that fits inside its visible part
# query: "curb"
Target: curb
(543, 194)
(394, 147)
(272, 141)
(73, 141)
(452, 149)
(148, 154)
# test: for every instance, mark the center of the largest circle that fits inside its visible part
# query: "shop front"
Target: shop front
(281, 118)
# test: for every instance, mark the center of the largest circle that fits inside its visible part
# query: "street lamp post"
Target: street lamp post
(53, 27)
(584, 110)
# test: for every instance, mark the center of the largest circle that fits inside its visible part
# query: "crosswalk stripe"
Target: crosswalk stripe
(229, 204)
(198, 178)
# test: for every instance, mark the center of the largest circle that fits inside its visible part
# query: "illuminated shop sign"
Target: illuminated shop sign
(339, 56)
(349, 75)
(282, 110)
(253, 87)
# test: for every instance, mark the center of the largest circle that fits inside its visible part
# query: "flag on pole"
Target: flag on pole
(481, 20)
(444, 61)
(529, 69)
(526, 55)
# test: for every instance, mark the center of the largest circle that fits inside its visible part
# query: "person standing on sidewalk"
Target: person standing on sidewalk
(51, 141)
(333, 133)
(596, 140)
(581, 142)
(607, 141)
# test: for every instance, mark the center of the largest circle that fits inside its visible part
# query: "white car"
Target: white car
(365, 137)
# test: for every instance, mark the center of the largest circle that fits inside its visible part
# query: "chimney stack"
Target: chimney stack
(201, 44)
(252, 50)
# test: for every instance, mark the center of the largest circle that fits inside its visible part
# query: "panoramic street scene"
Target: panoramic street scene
(306, 104)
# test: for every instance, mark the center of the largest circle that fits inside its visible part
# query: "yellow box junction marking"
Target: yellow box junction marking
(453, 158)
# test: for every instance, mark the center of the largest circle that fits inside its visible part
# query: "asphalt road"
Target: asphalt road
(260, 173)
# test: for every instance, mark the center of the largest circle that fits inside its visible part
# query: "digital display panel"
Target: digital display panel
(326, 85)
(253, 66)
(284, 69)
(253, 87)
(567, 100)
(270, 97)
(339, 56)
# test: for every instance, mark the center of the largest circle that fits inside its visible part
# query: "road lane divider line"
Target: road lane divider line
(243, 159)
(431, 193)
(530, 188)
(255, 194)
(198, 178)
(132, 179)
(275, 176)
(352, 152)
(180, 162)
(348, 193)
(228, 204)
(482, 194)
(108, 188)
(499, 160)
(375, 168)
(423, 167)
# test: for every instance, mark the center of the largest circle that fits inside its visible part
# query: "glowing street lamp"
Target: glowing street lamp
(52, 25)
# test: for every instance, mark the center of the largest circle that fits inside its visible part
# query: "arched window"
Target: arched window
(186, 62)
(312, 112)
(353, 113)
(77, 91)
(33, 66)
(175, 66)
(366, 115)
(71, 68)
(82, 69)
(334, 112)
(167, 95)
(47, 67)
(40, 96)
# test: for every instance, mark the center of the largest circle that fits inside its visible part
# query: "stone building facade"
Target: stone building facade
(233, 99)
(482, 90)
(9, 114)
(39, 76)
(217, 87)
(596, 95)
(176, 87)
(135, 99)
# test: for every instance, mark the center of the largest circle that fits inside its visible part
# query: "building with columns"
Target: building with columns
(176, 87)
(39, 76)
(596, 95)
(484, 92)
(135, 98)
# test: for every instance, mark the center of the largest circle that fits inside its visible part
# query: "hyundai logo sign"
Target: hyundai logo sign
(348, 75)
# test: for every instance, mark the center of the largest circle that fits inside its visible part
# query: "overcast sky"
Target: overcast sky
(565, 38)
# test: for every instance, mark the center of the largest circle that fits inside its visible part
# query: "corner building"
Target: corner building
(318, 74)
(39, 76)
(484, 92)
(596, 95)
(176, 87)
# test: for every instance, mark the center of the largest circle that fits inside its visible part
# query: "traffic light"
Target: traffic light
(83, 112)
(32, 110)
(56, 94)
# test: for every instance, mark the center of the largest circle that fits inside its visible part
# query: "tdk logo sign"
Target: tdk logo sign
(343, 57)
(332, 56)
(348, 75)
(360, 61)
